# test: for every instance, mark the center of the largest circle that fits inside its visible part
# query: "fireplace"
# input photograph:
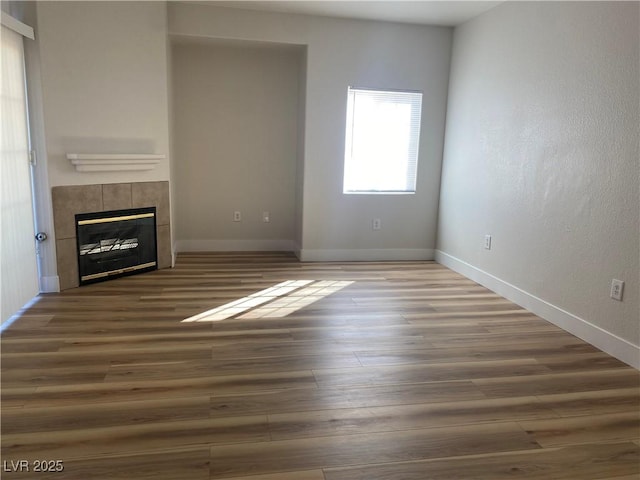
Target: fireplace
(116, 243)
(70, 200)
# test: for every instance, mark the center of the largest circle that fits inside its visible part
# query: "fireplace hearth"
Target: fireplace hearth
(116, 243)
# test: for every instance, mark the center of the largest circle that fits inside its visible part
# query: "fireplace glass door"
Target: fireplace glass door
(116, 243)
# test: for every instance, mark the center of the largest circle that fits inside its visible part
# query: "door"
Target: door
(18, 263)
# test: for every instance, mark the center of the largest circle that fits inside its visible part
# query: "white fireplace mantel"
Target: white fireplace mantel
(113, 162)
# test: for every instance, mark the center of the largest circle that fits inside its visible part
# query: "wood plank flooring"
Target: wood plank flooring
(412, 372)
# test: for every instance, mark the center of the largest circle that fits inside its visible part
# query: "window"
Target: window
(381, 142)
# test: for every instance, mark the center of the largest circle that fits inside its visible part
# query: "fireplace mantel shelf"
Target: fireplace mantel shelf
(113, 162)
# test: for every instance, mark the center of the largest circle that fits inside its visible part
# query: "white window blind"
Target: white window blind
(18, 267)
(381, 141)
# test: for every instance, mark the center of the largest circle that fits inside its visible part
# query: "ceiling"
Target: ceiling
(443, 12)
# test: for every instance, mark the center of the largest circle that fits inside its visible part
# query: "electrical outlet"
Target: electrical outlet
(376, 224)
(617, 287)
(487, 242)
(265, 217)
(237, 216)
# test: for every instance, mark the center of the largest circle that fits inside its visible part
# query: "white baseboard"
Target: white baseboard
(606, 341)
(275, 245)
(50, 284)
(366, 255)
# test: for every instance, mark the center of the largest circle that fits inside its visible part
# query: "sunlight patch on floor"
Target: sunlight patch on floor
(274, 302)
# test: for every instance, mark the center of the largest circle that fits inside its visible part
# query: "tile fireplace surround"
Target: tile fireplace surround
(71, 200)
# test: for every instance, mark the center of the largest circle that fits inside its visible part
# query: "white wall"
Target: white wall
(104, 85)
(235, 138)
(542, 153)
(342, 53)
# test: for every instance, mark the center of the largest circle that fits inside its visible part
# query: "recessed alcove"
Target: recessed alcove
(237, 111)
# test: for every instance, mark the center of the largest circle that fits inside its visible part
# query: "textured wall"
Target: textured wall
(542, 153)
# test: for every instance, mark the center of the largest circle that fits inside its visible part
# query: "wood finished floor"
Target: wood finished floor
(412, 372)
